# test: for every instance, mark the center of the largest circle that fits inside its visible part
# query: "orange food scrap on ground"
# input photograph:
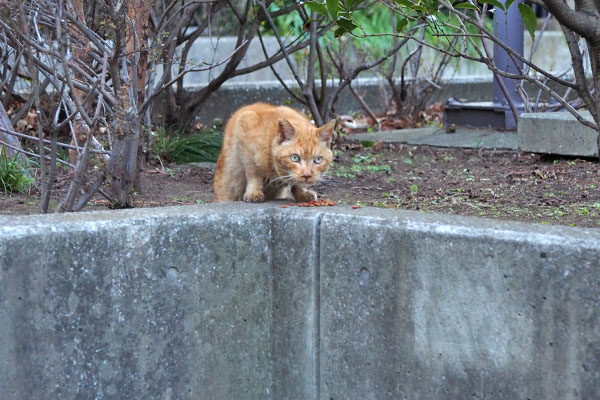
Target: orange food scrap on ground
(316, 203)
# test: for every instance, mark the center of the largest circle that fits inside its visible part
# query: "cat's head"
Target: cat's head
(301, 153)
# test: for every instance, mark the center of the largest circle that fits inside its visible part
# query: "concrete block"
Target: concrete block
(478, 138)
(231, 96)
(424, 307)
(259, 302)
(295, 305)
(557, 133)
(145, 304)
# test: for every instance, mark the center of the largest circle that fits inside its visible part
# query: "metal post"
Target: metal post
(508, 27)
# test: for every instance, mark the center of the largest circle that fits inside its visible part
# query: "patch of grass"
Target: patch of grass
(13, 177)
(360, 164)
(343, 172)
(379, 168)
(357, 168)
(182, 148)
(583, 211)
(363, 159)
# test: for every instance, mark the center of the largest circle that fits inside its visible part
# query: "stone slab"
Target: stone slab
(260, 302)
(295, 243)
(557, 133)
(234, 95)
(420, 306)
(436, 136)
(142, 304)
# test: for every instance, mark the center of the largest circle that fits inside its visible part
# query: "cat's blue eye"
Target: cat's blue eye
(295, 158)
(318, 160)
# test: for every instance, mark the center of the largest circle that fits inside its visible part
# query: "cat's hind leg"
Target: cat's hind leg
(229, 180)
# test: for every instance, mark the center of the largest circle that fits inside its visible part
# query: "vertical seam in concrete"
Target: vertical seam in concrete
(317, 304)
(271, 265)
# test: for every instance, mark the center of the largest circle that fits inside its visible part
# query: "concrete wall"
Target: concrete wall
(552, 54)
(259, 302)
(463, 79)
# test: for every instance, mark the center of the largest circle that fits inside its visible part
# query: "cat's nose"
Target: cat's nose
(306, 175)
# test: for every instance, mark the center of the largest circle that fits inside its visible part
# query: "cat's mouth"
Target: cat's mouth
(307, 180)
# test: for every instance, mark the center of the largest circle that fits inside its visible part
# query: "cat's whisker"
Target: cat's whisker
(284, 178)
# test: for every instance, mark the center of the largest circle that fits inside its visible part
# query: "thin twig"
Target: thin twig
(28, 153)
(365, 106)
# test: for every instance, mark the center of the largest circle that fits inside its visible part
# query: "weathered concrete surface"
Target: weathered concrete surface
(232, 96)
(552, 55)
(556, 133)
(259, 302)
(429, 307)
(436, 136)
(169, 304)
(295, 316)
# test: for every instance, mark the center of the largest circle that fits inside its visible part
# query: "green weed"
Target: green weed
(182, 148)
(13, 177)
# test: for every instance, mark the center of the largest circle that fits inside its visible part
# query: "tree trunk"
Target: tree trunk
(124, 163)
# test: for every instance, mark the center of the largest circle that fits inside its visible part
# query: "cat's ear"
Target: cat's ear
(326, 132)
(285, 131)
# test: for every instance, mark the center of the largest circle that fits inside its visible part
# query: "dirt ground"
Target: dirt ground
(496, 184)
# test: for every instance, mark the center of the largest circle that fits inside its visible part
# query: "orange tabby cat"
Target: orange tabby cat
(267, 149)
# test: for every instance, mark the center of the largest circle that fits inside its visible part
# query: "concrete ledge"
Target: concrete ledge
(557, 133)
(232, 96)
(473, 138)
(259, 302)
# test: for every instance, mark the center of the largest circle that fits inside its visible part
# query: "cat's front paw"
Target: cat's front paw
(304, 195)
(254, 197)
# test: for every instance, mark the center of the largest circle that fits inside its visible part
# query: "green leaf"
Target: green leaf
(346, 23)
(339, 32)
(401, 25)
(508, 3)
(352, 4)
(529, 18)
(317, 7)
(405, 3)
(432, 6)
(333, 7)
(494, 3)
(466, 5)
